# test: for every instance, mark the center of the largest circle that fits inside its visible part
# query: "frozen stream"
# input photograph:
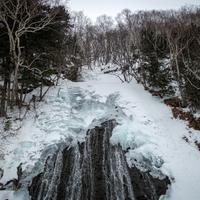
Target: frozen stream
(150, 139)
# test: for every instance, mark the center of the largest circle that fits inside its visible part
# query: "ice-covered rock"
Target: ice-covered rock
(95, 170)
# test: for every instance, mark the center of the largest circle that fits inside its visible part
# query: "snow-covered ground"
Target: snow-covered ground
(146, 126)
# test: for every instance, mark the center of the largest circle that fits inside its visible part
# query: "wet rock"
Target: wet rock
(146, 187)
(95, 170)
(1, 173)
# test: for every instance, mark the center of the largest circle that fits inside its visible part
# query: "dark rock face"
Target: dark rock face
(94, 170)
(145, 186)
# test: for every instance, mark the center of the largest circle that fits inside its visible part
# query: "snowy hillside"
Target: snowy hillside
(147, 130)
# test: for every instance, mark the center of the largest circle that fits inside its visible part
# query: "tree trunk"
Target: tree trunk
(3, 97)
(14, 94)
(184, 103)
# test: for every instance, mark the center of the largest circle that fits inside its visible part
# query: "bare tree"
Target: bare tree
(21, 17)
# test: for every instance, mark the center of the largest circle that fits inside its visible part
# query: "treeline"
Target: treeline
(160, 49)
(37, 47)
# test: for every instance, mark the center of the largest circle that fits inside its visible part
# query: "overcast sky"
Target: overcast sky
(94, 8)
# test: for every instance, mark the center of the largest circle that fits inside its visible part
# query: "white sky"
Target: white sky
(94, 8)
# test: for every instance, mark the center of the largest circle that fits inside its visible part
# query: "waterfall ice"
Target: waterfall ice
(146, 130)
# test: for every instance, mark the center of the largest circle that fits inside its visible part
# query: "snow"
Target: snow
(147, 130)
(15, 195)
(153, 133)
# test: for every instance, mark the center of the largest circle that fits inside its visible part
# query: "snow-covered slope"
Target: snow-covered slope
(146, 127)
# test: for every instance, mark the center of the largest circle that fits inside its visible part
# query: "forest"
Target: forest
(157, 48)
(41, 42)
(37, 46)
(105, 109)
